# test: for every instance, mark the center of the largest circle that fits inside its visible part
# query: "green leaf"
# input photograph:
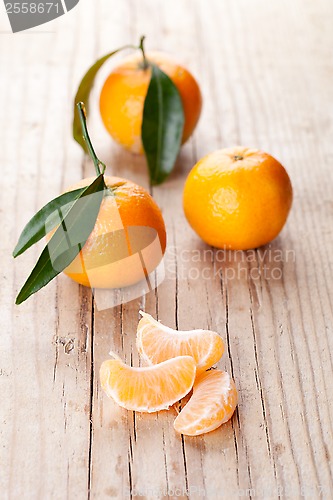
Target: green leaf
(162, 125)
(68, 239)
(35, 230)
(83, 93)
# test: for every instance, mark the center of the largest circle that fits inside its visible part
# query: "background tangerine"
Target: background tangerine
(124, 91)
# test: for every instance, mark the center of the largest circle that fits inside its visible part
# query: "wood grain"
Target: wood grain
(265, 69)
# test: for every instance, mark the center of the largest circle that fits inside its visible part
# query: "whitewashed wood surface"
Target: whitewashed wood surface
(266, 70)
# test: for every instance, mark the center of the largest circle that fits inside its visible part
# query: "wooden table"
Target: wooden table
(265, 69)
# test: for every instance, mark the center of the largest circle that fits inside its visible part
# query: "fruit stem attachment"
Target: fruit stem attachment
(83, 119)
(145, 63)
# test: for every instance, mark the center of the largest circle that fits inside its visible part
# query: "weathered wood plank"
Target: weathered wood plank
(46, 350)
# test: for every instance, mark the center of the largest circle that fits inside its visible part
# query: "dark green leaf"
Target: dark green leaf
(67, 241)
(36, 227)
(162, 125)
(83, 94)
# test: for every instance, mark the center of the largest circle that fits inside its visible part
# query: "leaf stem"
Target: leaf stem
(145, 63)
(83, 119)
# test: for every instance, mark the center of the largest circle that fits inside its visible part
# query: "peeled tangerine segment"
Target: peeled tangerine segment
(157, 343)
(151, 388)
(212, 404)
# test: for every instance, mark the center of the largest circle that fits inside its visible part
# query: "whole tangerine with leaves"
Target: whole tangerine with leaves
(124, 91)
(105, 232)
(149, 104)
(127, 242)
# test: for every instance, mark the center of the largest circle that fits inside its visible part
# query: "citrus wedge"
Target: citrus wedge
(157, 343)
(212, 404)
(148, 389)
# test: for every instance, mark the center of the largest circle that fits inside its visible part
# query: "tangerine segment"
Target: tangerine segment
(213, 403)
(148, 389)
(157, 342)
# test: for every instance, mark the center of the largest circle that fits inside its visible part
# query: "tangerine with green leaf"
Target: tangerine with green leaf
(124, 91)
(105, 232)
(127, 242)
(149, 103)
(128, 239)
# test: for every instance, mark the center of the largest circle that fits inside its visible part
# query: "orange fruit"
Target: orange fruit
(157, 343)
(123, 95)
(127, 242)
(237, 198)
(151, 388)
(212, 404)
